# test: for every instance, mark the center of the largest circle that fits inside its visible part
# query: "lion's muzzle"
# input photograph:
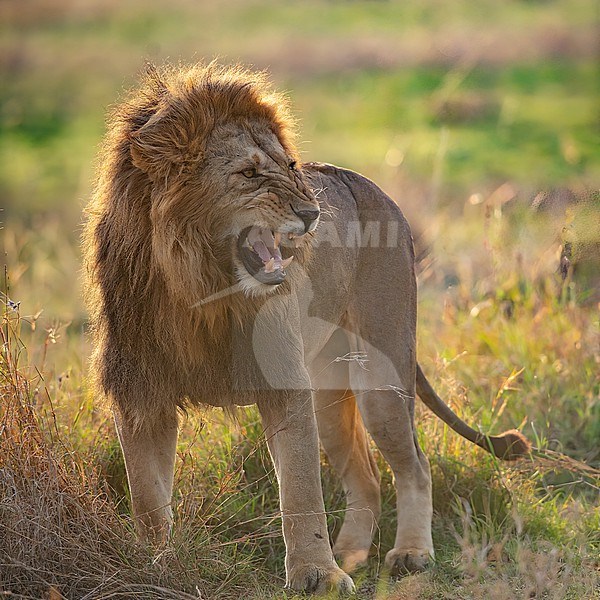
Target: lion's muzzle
(309, 217)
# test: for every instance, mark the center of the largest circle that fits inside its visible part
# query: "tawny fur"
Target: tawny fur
(178, 320)
(150, 246)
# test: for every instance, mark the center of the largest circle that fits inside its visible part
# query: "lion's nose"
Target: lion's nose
(308, 216)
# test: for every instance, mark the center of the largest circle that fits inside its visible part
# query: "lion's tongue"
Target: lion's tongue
(261, 249)
(257, 234)
(270, 256)
(263, 243)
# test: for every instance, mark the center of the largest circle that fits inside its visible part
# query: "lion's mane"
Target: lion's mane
(149, 251)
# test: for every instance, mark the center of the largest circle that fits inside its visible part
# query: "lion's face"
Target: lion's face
(228, 202)
(269, 206)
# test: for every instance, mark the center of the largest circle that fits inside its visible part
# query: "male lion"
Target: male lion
(223, 272)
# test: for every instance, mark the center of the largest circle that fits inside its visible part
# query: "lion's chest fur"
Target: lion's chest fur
(239, 359)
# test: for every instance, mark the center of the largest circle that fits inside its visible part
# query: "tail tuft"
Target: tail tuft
(510, 445)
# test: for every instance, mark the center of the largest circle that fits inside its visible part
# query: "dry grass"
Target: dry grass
(63, 529)
(505, 340)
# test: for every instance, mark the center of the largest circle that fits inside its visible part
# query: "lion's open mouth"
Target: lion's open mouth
(260, 252)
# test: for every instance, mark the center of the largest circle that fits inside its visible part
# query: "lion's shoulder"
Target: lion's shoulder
(342, 174)
(352, 186)
(344, 178)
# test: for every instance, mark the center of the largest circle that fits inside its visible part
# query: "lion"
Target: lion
(222, 271)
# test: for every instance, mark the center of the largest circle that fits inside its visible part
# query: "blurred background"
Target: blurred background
(480, 119)
(442, 103)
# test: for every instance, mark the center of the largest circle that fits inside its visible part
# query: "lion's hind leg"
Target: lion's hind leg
(384, 390)
(345, 442)
(346, 445)
(381, 325)
(388, 418)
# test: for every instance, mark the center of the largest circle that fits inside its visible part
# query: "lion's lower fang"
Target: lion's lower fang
(270, 266)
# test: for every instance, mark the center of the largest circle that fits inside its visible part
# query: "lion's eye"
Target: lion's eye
(250, 173)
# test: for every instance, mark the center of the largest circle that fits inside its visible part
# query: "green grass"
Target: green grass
(540, 110)
(464, 139)
(63, 68)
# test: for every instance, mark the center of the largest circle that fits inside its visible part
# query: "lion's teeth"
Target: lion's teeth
(286, 262)
(291, 236)
(277, 238)
(270, 266)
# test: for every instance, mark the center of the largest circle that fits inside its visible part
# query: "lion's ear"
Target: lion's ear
(154, 149)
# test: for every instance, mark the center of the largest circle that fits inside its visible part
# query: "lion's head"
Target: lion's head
(200, 210)
(227, 200)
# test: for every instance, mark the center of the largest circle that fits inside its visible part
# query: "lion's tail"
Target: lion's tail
(510, 445)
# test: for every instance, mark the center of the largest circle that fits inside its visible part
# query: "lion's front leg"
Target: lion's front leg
(291, 432)
(149, 453)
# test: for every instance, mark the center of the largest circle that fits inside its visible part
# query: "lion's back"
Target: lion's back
(364, 216)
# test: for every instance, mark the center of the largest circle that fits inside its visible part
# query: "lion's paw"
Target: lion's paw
(350, 559)
(402, 561)
(313, 579)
